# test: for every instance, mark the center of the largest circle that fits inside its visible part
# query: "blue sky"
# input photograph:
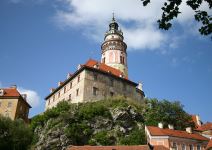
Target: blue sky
(42, 40)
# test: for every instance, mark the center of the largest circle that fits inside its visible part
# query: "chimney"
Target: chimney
(121, 75)
(140, 86)
(160, 125)
(96, 66)
(69, 75)
(60, 83)
(171, 126)
(24, 96)
(13, 86)
(189, 130)
(198, 120)
(52, 90)
(79, 66)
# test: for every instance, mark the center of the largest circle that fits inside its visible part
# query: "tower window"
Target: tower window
(103, 60)
(123, 60)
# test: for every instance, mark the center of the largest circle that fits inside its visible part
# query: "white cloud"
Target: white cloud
(137, 22)
(32, 96)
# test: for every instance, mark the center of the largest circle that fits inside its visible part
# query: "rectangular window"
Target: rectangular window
(95, 77)
(77, 92)
(183, 147)
(174, 146)
(49, 101)
(198, 147)
(121, 60)
(78, 79)
(70, 85)
(53, 98)
(69, 97)
(191, 147)
(64, 89)
(9, 104)
(103, 60)
(58, 94)
(124, 87)
(111, 82)
(111, 94)
(95, 90)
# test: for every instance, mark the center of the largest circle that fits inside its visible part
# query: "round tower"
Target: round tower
(114, 52)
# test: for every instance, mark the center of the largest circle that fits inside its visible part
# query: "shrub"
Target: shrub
(136, 137)
(14, 134)
(102, 138)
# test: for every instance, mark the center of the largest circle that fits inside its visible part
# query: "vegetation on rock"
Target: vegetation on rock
(114, 121)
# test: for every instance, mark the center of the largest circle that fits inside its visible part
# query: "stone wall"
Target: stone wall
(107, 86)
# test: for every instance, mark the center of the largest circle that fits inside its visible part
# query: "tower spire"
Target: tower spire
(114, 52)
(113, 18)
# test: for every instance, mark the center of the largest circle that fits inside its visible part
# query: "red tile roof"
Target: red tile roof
(104, 67)
(205, 127)
(156, 131)
(209, 145)
(137, 147)
(97, 66)
(11, 92)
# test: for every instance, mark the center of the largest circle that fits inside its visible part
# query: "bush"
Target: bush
(136, 137)
(14, 134)
(102, 138)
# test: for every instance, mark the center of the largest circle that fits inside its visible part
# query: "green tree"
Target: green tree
(14, 135)
(168, 113)
(171, 11)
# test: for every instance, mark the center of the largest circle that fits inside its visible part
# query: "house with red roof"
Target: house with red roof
(209, 146)
(97, 80)
(175, 139)
(13, 104)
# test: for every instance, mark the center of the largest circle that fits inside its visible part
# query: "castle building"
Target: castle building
(13, 104)
(95, 80)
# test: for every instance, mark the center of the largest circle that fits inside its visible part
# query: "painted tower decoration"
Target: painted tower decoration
(114, 52)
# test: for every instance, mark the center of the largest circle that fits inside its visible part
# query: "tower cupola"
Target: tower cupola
(114, 52)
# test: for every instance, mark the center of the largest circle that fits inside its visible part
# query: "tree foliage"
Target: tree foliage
(171, 11)
(168, 113)
(14, 135)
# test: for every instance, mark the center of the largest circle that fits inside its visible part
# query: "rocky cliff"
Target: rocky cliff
(107, 122)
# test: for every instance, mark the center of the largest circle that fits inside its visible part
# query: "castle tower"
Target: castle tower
(114, 52)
